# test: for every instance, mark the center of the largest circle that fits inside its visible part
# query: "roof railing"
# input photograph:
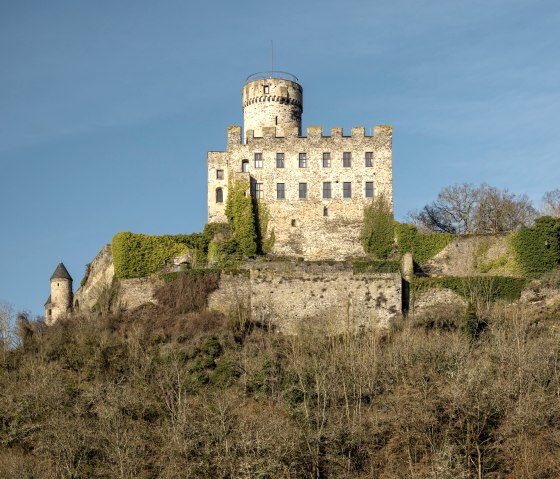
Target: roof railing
(272, 74)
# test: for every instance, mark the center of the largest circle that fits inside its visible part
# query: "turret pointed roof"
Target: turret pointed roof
(61, 272)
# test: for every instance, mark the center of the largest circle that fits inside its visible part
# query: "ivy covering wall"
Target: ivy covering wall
(422, 246)
(136, 255)
(537, 249)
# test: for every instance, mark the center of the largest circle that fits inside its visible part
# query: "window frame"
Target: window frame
(302, 187)
(219, 174)
(219, 195)
(346, 189)
(258, 160)
(368, 158)
(302, 160)
(245, 166)
(366, 189)
(280, 192)
(257, 191)
(280, 159)
(347, 159)
(327, 188)
(326, 159)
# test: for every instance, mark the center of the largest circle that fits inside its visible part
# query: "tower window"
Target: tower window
(219, 195)
(266, 89)
(280, 191)
(325, 211)
(293, 222)
(347, 189)
(303, 160)
(258, 191)
(346, 159)
(220, 174)
(326, 159)
(369, 159)
(303, 191)
(369, 189)
(279, 160)
(327, 192)
(245, 166)
(258, 160)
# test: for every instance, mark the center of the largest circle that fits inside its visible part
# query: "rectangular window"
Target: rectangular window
(280, 191)
(220, 174)
(369, 159)
(327, 193)
(266, 89)
(326, 160)
(369, 189)
(303, 160)
(346, 159)
(303, 191)
(279, 160)
(257, 190)
(258, 160)
(347, 189)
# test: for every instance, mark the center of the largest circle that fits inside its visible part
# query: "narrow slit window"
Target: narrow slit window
(293, 222)
(266, 89)
(325, 211)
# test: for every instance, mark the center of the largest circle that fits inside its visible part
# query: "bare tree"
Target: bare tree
(6, 315)
(550, 203)
(462, 209)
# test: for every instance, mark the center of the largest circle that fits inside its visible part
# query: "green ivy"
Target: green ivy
(137, 255)
(375, 266)
(537, 249)
(377, 235)
(490, 288)
(86, 275)
(239, 212)
(422, 246)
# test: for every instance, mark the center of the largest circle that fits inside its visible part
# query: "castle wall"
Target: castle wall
(302, 227)
(332, 298)
(473, 255)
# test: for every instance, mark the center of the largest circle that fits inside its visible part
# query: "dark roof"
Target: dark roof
(48, 300)
(61, 272)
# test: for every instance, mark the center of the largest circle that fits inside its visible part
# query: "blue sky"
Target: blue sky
(107, 109)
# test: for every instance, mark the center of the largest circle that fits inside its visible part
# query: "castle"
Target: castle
(315, 186)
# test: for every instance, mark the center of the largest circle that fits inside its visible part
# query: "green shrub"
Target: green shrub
(422, 246)
(377, 234)
(490, 288)
(537, 249)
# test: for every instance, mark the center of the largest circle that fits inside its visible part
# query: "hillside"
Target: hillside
(159, 393)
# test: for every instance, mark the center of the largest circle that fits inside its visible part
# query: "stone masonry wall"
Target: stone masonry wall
(302, 227)
(333, 298)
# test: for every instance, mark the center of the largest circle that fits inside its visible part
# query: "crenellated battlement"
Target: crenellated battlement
(312, 133)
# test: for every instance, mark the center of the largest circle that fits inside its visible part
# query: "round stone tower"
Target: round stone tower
(60, 300)
(272, 99)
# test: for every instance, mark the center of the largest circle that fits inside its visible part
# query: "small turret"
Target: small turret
(60, 299)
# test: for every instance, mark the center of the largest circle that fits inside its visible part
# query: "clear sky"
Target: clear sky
(107, 108)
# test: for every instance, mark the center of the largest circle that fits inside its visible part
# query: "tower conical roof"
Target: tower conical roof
(61, 272)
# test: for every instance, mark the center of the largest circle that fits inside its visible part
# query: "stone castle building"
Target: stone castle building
(60, 299)
(315, 185)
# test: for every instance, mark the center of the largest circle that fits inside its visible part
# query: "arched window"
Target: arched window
(245, 166)
(219, 195)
